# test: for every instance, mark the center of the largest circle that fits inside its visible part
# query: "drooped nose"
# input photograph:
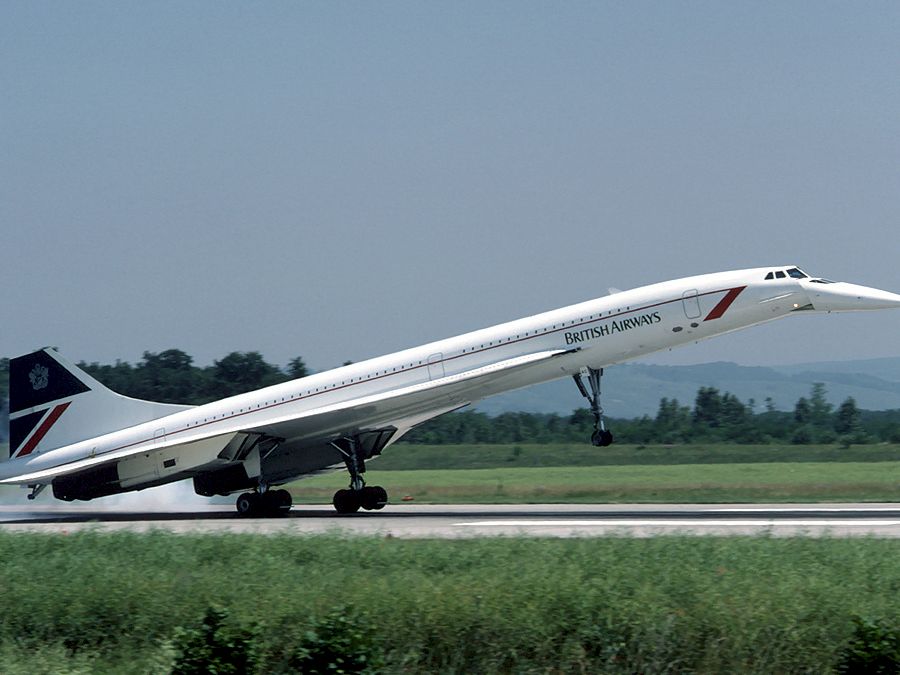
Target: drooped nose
(844, 297)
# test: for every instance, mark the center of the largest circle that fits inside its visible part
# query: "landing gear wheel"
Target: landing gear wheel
(346, 501)
(276, 502)
(602, 438)
(373, 498)
(283, 500)
(248, 504)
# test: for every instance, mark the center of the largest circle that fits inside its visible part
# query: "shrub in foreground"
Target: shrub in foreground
(215, 646)
(874, 649)
(338, 642)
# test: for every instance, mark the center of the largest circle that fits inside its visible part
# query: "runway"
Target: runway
(467, 521)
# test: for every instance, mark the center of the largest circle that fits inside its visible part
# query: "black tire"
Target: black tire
(382, 498)
(276, 502)
(247, 504)
(606, 438)
(346, 501)
(373, 498)
(283, 500)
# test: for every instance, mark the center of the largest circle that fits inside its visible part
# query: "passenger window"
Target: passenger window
(779, 275)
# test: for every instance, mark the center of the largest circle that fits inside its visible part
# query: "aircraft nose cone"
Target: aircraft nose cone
(844, 297)
(891, 300)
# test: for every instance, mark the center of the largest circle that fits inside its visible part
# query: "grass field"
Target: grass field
(409, 456)
(128, 603)
(119, 602)
(701, 483)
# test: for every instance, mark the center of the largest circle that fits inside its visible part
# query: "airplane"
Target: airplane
(70, 432)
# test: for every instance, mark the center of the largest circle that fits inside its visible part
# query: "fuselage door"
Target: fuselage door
(690, 301)
(436, 366)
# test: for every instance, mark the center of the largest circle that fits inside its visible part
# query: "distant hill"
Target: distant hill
(632, 390)
(885, 368)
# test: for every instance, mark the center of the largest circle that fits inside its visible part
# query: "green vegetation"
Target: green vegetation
(714, 418)
(404, 456)
(131, 603)
(679, 483)
(874, 648)
(559, 473)
(171, 377)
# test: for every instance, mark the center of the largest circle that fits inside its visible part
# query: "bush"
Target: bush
(874, 648)
(212, 647)
(339, 642)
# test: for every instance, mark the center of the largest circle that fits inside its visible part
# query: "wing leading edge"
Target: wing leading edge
(412, 402)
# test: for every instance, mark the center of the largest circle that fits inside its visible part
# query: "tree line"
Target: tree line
(170, 376)
(715, 417)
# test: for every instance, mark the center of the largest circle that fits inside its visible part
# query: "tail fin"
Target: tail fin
(53, 403)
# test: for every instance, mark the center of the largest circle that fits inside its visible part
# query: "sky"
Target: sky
(339, 180)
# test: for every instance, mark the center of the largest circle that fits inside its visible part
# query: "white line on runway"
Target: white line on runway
(678, 523)
(802, 510)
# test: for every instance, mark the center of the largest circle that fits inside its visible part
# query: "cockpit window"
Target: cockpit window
(793, 273)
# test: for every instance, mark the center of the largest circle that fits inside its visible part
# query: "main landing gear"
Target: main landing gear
(601, 437)
(359, 495)
(264, 503)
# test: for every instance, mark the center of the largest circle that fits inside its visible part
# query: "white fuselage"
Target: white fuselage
(597, 333)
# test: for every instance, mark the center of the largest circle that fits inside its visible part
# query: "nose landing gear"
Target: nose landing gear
(601, 437)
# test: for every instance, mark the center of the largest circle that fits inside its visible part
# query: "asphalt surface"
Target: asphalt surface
(456, 521)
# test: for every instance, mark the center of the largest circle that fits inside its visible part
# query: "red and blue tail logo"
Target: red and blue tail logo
(40, 391)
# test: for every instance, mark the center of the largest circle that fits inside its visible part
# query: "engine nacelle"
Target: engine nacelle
(225, 481)
(85, 485)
